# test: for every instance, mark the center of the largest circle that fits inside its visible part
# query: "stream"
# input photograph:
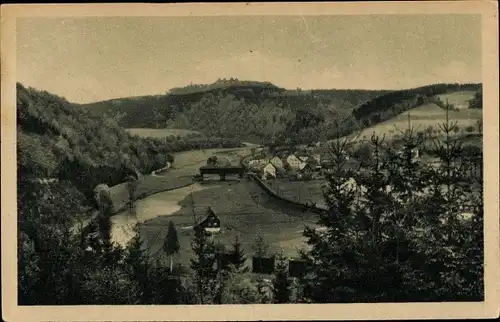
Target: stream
(160, 204)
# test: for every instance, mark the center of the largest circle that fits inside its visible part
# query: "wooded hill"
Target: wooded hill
(265, 113)
(253, 111)
(59, 139)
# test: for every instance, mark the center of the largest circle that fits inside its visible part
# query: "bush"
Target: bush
(469, 129)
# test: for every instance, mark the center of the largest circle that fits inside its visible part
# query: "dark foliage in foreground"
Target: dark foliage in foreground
(399, 230)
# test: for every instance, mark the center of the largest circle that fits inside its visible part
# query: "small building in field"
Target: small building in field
(211, 223)
(293, 162)
(268, 171)
(257, 163)
(276, 161)
(302, 155)
(303, 158)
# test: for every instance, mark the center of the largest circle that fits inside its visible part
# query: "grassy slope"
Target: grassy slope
(161, 133)
(244, 210)
(458, 99)
(421, 118)
(428, 115)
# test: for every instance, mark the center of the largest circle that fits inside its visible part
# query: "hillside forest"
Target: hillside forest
(58, 139)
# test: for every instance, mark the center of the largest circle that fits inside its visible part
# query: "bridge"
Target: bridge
(222, 171)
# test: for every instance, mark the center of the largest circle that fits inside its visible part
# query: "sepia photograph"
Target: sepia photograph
(250, 158)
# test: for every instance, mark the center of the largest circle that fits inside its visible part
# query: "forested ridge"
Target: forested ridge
(252, 111)
(264, 113)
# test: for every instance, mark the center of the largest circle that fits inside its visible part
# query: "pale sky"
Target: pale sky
(98, 58)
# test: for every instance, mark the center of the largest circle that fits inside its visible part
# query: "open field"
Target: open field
(161, 133)
(186, 164)
(300, 191)
(243, 208)
(458, 99)
(423, 117)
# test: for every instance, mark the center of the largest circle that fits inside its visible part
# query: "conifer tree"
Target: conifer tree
(104, 224)
(204, 266)
(332, 251)
(237, 256)
(171, 244)
(281, 281)
(131, 189)
(139, 267)
(260, 247)
(453, 224)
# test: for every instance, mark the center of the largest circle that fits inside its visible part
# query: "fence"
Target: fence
(290, 202)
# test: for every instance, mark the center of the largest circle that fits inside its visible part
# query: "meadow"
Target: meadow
(421, 118)
(300, 191)
(458, 99)
(244, 210)
(186, 165)
(162, 133)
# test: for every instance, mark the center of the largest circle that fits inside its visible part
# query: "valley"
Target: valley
(291, 156)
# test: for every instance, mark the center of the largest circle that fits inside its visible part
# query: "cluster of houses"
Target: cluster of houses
(300, 164)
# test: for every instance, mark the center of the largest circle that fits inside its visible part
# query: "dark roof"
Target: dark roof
(301, 154)
(306, 167)
(211, 220)
(312, 162)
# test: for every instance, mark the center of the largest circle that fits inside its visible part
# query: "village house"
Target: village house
(211, 224)
(276, 161)
(257, 163)
(302, 155)
(268, 171)
(293, 162)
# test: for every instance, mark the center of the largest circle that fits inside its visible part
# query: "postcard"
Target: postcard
(250, 161)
